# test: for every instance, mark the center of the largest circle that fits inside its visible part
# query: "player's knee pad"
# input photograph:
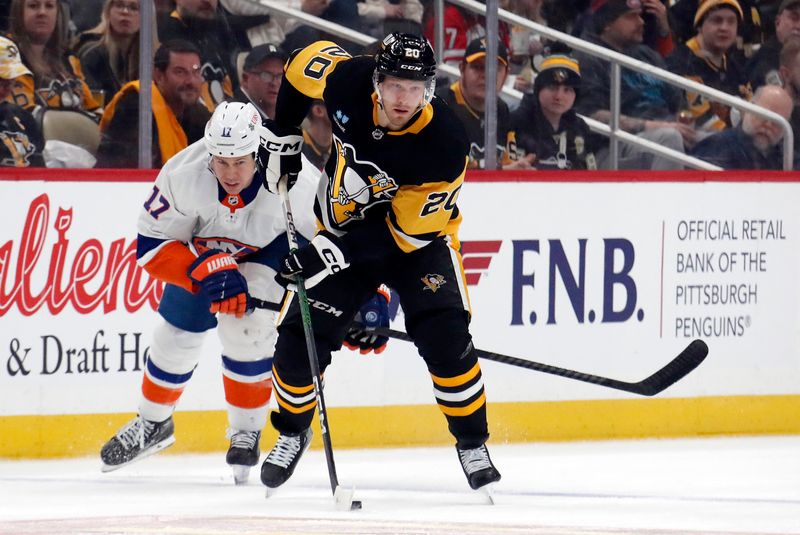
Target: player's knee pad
(249, 338)
(441, 336)
(175, 350)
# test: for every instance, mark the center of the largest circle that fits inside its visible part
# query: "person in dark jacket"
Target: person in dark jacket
(21, 141)
(756, 142)
(649, 107)
(546, 123)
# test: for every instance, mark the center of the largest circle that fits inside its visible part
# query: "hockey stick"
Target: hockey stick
(674, 371)
(343, 498)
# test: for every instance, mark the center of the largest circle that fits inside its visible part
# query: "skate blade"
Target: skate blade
(155, 448)
(241, 473)
(488, 493)
(271, 492)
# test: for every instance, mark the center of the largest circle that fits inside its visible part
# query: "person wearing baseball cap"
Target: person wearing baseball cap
(546, 123)
(467, 97)
(762, 67)
(261, 78)
(648, 106)
(710, 58)
(21, 141)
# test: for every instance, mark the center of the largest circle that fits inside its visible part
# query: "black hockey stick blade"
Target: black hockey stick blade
(674, 371)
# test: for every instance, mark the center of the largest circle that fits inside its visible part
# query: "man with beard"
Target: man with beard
(178, 115)
(756, 142)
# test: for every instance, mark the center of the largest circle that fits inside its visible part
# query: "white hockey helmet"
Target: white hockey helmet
(234, 130)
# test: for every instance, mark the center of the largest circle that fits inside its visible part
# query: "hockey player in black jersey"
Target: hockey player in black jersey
(387, 205)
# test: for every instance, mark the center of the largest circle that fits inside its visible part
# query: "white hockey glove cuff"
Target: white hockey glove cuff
(322, 257)
(280, 151)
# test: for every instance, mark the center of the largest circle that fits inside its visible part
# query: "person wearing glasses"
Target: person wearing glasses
(179, 116)
(109, 52)
(261, 79)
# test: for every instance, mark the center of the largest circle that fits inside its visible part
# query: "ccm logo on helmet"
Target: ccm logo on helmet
(411, 67)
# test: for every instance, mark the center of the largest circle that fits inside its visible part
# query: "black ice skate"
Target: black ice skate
(243, 453)
(139, 438)
(282, 460)
(479, 469)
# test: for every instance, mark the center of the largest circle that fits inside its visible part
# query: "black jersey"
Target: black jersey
(21, 141)
(393, 189)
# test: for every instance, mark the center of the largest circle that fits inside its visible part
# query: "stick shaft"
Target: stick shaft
(313, 360)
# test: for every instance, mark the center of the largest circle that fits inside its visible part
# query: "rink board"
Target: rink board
(603, 273)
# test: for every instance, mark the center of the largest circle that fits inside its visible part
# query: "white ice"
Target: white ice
(652, 487)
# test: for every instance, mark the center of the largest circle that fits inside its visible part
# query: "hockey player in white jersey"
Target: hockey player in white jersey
(214, 235)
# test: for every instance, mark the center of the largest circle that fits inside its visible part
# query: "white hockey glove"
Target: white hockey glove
(313, 262)
(280, 153)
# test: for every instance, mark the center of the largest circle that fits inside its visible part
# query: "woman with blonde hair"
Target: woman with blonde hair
(39, 27)
(109, 52)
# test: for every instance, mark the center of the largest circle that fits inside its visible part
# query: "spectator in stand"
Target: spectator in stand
(201, 22)
(317, 134)
(547, 126)
(789, 73)
(763, 67)
(708, 58)
(751, 31)
(381, 17)
(21, 140)
(39, 29)
(109, 52)
(461, 27)
(178, 115)
(467, 98)
(344, 12)
(261, 79)
(657, 31)
(526, 47)
(648, 107)
(756, 142)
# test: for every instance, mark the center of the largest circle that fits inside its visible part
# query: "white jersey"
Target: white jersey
(188, 205)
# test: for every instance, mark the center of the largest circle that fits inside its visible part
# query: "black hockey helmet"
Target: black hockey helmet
(406, 55)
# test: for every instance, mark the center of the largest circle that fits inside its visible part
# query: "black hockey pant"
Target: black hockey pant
(433, 296)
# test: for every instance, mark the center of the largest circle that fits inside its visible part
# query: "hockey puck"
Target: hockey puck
(356, 505)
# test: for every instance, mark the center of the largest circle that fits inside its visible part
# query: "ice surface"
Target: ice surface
(650, 487)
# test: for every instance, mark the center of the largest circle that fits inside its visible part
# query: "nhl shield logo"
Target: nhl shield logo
(377, 134)
(433, 282)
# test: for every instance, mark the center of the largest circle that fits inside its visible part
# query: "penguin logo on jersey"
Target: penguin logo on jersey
(433, 282)
(15, 149)
(356, 186)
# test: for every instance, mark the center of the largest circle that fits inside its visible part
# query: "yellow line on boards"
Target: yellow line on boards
(52, 436)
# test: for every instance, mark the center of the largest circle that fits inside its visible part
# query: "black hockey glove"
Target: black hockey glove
(374, 313)
(313, 262)
(218, 276)
(280, 154)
